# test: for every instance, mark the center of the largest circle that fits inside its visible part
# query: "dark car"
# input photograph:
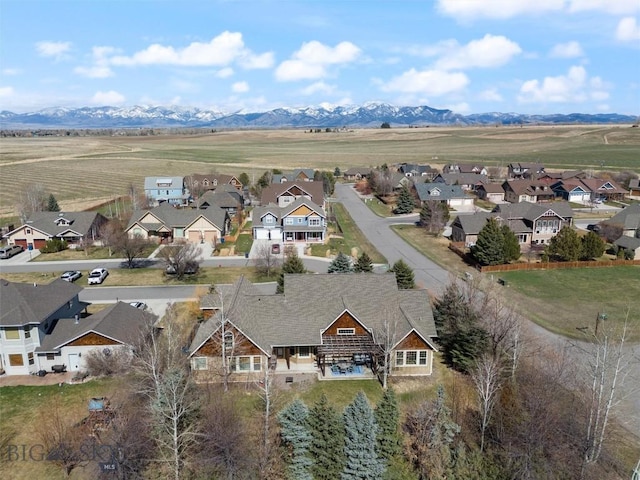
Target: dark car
(275, 248)
(594, 227)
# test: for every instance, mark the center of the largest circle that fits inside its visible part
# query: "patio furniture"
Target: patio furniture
(58, 368)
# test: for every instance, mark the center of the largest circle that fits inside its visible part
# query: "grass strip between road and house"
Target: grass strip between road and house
(353, 236)
(378, 207)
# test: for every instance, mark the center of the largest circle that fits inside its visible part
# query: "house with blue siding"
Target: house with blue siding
(166, 189)
(300, 221)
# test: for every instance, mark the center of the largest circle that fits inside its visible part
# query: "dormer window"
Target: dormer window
(205, 182)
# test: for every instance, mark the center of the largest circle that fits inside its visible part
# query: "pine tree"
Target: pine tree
(337, 173)
(387, 416)
(292, 264)
(404, 275)
(52, 204)
(489, 248)
(364, 264)
(592, 246)
(405, 203)
(340, 264)
(360, 429)
(511, 245)
(566, 245)
(295, 433)
(327, 441)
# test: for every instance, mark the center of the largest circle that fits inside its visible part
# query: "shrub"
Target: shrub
(54, 245)
(107, 361)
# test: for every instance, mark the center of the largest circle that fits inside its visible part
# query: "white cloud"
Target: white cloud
(313, 58)
(240, 87)
(225, 72)
(57, 50)
(566, 50)
(96, 71)
(427, 82)
(9, 72)
(490, 95)
(501, 9)
(107, 98)
(628, 30)
(613, 7)
(6, 92)
(220, 51)
(574, 87)
(463, 108)
(489, 51)
(318, 87)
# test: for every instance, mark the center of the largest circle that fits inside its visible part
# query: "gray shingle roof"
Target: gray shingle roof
(439, 191)
(627, 242)
(271, 193)
(29, 303)
(628, 217)
(462, 178)
(55, 223)
(181, 217)
(311, 303)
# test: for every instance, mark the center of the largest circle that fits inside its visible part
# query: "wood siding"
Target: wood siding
(241, 346)
(346, 320)
(302, 210)
(92, 338)
(413, 342)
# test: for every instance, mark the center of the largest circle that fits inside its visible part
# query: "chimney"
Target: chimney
(77, 319)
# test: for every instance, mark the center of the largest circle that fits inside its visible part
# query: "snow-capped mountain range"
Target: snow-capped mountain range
(370, 115)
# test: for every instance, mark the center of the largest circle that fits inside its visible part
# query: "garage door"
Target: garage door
(194, 236)
(210, 236)
(22, 242)
(261, 234)
(39, 243)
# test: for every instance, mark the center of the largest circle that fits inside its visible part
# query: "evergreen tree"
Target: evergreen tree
(327, 441)
(566, 245)
(340, 264)
(404, 275)
(52, 204)
(337, 173)
(406, 202)
(292, 264)
(295, 433)
(459, 333)
(592, 246)
(244, 179)
(360, 428)
(387, 416)
(489, 248)
(511, 245)
(364, 264)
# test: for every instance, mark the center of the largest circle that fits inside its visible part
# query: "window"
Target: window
(410, 358)
(346, 331)
(399, 359)
(314, 222)
(228, 341)
(269, 219)
(422, 358)
(256, 364)
(27, 332)
(288, 221)
(16, 360)
(28, 230)
(304, 352)
(300, 220)
(51, 356)
(244, 364)
(200, 363)
(12, 334)
(30, 357)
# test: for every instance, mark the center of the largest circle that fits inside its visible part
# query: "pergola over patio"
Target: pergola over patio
(344, 347)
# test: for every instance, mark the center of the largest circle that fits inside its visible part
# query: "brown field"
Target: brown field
(84, 171)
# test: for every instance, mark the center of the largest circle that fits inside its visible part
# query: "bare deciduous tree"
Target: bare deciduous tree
(386, 338)
(181, 259)
(268, 392)
(266, 261)
(60, 438)
(486, 377)
(131, 247)
(32, 199)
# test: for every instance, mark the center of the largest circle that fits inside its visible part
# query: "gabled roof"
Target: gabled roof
(299, 202)
(312, 302)
(364, 171)
(220, 199)
(528, 187)
(30, 303)
(414, 168)
(120, 322)
(56, 223)
(492, 187)
(260, 212)
(461, 178)
(603, 186)
(532, 211)
(628, 217)
(634, 183)
(153, 183)
(271, 193)
(439, 191)
(173, 217)
(629, 243)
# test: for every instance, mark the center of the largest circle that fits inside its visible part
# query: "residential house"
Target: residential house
(356, 173)
(398, 180)
(465, 168)
(167, 224)
(552, 177)
(171, 190)
(300, 221)
(76, 228)
(468, 181)
(584, 190)
(283, 194)
(413, 170)
(320, 322)
(300, 175)
(230, 201)
(628, 219)
(533, 224)
(605, 189)
(452, 195)
(118, 326)
(634, 187)
(29, 313)
(491, 192)
(533, 191)
(198, 183)
(521, 170)
(629, 244)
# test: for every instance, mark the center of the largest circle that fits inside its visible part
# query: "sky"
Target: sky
(470, 56)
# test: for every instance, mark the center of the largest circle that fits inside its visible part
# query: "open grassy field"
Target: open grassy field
(83, 171)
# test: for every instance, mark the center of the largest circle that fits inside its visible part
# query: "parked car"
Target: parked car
(140, 305)
(71, 275)
(97, 276)
(275, 248)
(10, 251)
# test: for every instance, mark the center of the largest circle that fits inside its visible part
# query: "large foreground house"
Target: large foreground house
(42, 326)
(300, 221)
(168, 224)
(76, 228)
(320, 322)
(533, 224)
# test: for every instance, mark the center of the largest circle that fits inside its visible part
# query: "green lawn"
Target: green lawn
(353, 236)
(379, 208)
(244, 242)
(568, 299)
(89, 253)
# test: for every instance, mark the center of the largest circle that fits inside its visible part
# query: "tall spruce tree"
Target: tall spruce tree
(489, 248)
(406, 202)
(360, 428)
(52, 204)
(340, 264)
(296, 435)
(327, 441)
(292, 264)
(363, 264)
(387, 417)
(566, 245)
(511, 245)
(592, 246)
(404, 275)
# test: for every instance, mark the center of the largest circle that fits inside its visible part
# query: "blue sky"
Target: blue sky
(471, 56)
